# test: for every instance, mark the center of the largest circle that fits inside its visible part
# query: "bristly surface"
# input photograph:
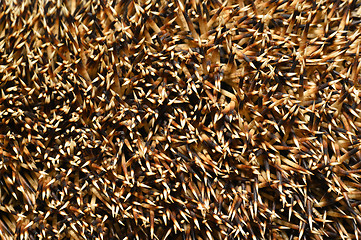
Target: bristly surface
(181, 119)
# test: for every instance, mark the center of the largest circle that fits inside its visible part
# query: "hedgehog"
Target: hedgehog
(182, 119)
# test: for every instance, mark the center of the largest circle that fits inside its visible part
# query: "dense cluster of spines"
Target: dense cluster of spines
(180, 119)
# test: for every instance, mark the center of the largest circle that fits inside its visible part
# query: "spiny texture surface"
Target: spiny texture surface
(182, 119)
